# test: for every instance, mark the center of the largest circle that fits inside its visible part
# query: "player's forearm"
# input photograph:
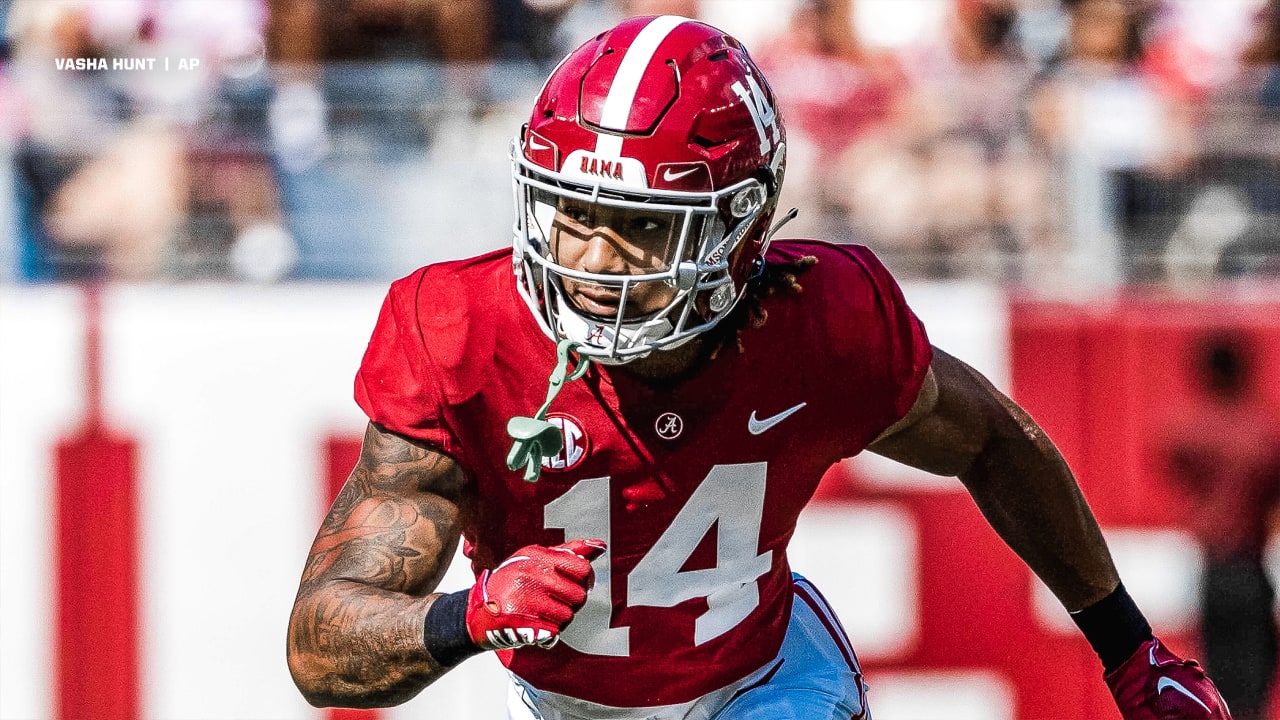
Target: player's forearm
(1029, 495)
(353, 645)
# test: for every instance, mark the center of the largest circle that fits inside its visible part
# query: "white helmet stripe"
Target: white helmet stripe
(622, 92)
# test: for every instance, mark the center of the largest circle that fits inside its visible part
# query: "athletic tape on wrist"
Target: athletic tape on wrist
(1114, 627)
(445, 634)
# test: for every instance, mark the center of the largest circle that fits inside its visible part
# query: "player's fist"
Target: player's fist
(532, 595)
(1155, 684)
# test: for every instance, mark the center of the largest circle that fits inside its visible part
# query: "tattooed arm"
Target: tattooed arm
(356, 631)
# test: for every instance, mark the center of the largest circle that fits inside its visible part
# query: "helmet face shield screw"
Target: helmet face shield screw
(747, 201)
(721, 297)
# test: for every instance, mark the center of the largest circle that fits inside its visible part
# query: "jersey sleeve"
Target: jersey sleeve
(910, 351)
(396, 385)
(885, 339)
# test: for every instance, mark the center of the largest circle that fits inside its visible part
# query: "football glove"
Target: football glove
(532, 595)
(1155, 684)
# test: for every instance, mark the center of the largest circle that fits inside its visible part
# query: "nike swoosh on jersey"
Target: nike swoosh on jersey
(1168, 683)
(669, 176)
(756, 426)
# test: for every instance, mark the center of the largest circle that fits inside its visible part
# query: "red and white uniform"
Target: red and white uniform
(695, 483)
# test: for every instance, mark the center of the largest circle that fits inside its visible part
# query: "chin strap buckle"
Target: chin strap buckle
(535, 438)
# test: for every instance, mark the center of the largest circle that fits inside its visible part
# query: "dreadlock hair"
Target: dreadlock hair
(773, 277)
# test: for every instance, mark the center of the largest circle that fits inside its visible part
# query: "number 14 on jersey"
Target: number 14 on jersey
(730, 495)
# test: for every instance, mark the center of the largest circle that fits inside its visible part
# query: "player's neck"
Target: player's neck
(668, 364)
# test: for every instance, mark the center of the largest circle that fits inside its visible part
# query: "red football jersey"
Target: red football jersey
(695, 483)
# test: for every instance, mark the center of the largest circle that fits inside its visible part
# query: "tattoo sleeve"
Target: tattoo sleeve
(355, 634)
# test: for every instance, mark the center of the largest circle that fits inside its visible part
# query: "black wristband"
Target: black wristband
(1114, 626)
(445, 634)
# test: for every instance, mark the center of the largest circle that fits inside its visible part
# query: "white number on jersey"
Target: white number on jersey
(583, 512)
(730, 498)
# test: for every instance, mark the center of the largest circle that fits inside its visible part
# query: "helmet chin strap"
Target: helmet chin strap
(535, 438)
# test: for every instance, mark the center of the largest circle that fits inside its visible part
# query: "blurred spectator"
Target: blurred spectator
(1230, 226)
(354, 83)
(69, 117)
(307, 31)
(1222, 454)
(1102, 114)
(104, 161)
(1261, 60)
(347, 156)
(1257, 250)
(233, 226)
(451, 31)
(376, 102)
(9, 130)
(841, 100)
(983, 186)
(531, 30)
(683, 8)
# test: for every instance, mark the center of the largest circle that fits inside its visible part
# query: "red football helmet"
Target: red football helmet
(663, 117)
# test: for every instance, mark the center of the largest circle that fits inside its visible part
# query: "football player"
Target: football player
(623, 420)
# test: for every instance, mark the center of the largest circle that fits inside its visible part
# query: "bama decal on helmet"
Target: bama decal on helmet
(603, 168)
(593, 168)
(576, 444)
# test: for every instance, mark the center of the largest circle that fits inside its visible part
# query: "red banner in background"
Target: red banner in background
(96, 555)
(1103, 381)
(97, 578)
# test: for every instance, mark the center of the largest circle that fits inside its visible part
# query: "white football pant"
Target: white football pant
(816, 676)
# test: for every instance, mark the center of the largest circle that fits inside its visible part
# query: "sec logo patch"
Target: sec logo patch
(576, 444)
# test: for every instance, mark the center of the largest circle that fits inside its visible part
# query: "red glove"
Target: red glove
(1155, 684)
(532, 595)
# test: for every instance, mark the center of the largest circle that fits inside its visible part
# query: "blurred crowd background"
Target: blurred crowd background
(1055, 144)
